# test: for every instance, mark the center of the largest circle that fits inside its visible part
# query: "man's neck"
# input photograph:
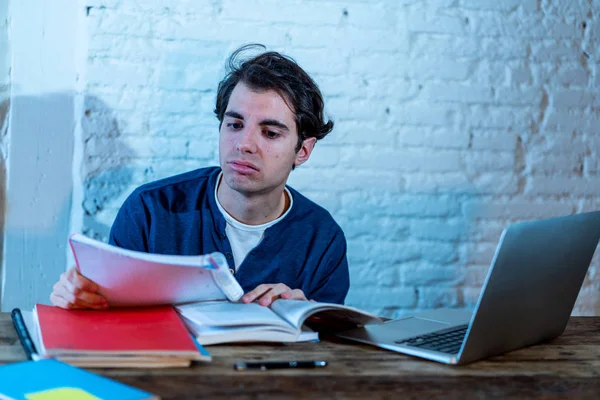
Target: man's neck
(252, 210)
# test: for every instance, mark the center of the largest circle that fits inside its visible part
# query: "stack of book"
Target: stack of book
(121, 337)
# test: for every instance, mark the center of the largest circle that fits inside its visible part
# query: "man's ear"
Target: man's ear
(305, 151)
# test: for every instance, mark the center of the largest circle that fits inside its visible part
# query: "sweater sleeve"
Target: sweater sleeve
(332, 279)
(131, 226)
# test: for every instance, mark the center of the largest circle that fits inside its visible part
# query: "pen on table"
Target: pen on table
(266, 365)
(23, 334)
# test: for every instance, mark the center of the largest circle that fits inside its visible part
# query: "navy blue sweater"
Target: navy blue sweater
(179, 215)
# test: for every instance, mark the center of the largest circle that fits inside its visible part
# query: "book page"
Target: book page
(131, 278)
(297, 311)
(227, 314)
(207, 335)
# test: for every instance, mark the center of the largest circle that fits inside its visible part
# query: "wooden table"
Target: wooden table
(568, 367)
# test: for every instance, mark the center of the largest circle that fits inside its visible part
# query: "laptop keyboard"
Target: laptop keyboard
(445, 341)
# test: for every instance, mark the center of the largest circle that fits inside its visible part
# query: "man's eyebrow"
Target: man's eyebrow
(267, 122)
(274, 122)
(233, 114)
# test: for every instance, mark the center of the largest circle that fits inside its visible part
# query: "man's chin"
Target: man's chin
(241, 183)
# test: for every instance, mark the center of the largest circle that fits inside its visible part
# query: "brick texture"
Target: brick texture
(4, 80)
(4, 49)
(453, 119)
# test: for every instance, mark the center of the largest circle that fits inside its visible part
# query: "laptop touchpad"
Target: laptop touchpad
(413, 326)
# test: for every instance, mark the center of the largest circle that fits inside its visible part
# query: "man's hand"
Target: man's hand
(267, 293)
(73, 291)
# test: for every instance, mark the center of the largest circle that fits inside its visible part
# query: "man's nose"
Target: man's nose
(248, 140)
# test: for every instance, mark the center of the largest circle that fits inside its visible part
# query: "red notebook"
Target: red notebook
(123, 331)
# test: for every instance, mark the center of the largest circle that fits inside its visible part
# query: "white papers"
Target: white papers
(131, 278)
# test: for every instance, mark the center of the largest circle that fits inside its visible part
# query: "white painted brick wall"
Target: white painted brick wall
(4, 77)
(453, 118)
(4, 50)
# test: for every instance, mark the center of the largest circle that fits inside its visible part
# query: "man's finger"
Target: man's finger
(58, 301)
(273, 294)
(84, 295)
(267, 297)
(74, 299)
(254, 294)
(267, 293)
(93, 298)
(81, 282)
(67, 295)
(299, 294)
(62, 302)
(296, 294)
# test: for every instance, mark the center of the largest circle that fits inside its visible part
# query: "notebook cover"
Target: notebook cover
(51, 379)
(122, 330)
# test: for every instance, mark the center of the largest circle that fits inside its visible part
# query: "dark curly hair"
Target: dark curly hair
(274, 71)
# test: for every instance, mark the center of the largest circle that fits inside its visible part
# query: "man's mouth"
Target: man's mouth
(243, 167)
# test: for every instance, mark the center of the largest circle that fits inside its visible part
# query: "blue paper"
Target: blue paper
(53, 380)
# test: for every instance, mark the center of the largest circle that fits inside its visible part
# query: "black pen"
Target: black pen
(266, 365)
(23, 334)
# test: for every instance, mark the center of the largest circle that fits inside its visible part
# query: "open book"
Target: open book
(284, 321)
(133, 278)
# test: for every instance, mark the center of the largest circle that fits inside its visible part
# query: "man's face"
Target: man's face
(257, 141)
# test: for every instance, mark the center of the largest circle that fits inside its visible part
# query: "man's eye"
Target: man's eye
(271, 134)
(234, 125)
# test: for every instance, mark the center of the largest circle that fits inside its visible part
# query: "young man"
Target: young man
(278, 243)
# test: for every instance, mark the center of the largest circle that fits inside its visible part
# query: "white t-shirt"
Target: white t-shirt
(242, 237)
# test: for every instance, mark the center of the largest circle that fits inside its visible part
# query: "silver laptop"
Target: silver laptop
(527, 297)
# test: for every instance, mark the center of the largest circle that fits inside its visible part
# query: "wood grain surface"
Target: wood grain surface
(567, 367)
